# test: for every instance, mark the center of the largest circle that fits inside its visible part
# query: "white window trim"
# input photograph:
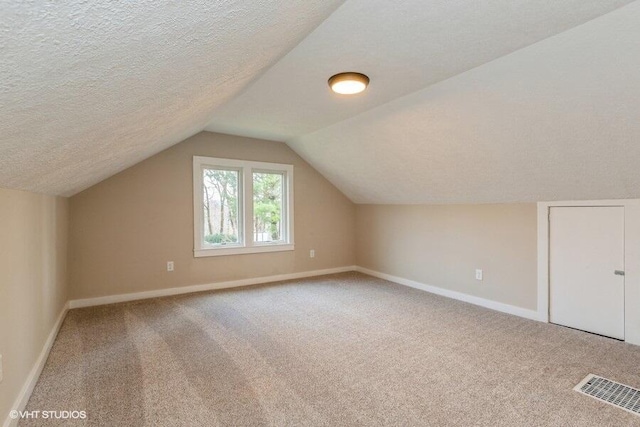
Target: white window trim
(246, 245)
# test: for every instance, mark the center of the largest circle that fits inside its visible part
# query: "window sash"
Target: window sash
(246, 243)
(283, 207)
(239, 214)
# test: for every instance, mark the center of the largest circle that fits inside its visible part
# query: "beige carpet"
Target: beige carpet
(342, 350)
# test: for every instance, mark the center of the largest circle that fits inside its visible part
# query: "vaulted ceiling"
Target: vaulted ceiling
(89, 88)
(509, 100)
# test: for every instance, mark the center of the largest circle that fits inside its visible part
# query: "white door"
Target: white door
(586, 247)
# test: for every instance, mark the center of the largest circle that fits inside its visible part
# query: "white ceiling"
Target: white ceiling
(469, 101)
(402, 46)
(88, 88)
(559, 120)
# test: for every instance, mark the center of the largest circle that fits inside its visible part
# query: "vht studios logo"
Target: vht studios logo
(58, 415)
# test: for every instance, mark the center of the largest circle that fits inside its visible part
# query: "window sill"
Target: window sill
(199, 253)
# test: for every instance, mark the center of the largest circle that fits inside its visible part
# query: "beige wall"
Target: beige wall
(33, 285)
(443, 245)
(125, 229)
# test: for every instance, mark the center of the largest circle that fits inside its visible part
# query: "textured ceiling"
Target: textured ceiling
(556, 120)
(403, 46)
(88, 88)
(508, 100)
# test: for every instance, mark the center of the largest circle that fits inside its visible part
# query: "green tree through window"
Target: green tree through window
(267, 206)
(241, 206)
(220, 206)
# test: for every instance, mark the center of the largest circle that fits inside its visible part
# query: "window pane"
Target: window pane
(221, 213)
(268, 190)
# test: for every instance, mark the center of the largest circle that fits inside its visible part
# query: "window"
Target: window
(241, 207)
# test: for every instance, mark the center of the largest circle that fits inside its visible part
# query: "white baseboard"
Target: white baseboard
(112, 299)
(493, 305)
(23, 398)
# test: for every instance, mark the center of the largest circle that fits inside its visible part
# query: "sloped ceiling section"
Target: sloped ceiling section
(88, 88)
(556, 120)
(500, 101)
(403, 46)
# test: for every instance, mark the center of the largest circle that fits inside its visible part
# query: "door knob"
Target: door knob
(619, 273)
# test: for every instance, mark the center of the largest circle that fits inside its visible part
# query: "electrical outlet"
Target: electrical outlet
(478, 274)
(169, 265)
(312, 253)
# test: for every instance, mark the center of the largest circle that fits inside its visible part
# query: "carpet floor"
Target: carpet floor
(340, 350)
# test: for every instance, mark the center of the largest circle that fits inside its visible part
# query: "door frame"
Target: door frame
(631, 260)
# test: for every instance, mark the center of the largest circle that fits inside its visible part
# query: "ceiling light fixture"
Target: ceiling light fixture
(348, 83)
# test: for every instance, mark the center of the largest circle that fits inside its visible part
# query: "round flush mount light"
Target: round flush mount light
(348, 83)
